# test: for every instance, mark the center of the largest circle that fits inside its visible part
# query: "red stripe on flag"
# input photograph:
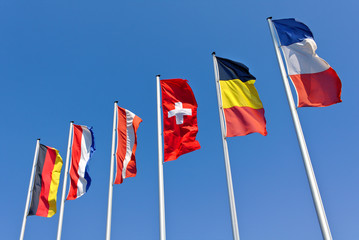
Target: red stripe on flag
(75, 160)
(241, 121)
(121, 143)
(318, 89)
(131, 169)
(43, 207)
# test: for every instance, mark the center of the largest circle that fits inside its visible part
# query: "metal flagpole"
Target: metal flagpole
(232, 203)
(110, 185)
(30, 187)
(61, 216)
(160, 165)
(303, 147)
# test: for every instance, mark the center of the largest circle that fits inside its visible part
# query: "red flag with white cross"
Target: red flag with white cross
(179, 118)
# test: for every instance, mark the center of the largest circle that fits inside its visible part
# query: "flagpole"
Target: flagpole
(324, 226)
(160, 165)
(29, 191)
(232, 202)
(110, 185)
(61, 216)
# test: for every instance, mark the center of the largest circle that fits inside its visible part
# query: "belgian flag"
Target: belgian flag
(46, 183)
(243, 110)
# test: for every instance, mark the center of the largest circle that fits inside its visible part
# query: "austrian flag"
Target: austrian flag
(127, 125)
(179, 118)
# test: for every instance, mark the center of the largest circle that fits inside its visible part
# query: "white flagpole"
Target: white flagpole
(110, 185)
(30, 187)
(61, 216)
(324, 226)
(232, 202)
(160, 165)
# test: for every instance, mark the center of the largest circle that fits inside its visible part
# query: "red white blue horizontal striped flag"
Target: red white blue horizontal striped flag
(83, 146)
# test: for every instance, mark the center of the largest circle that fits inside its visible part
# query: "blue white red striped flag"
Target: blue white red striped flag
(83, 146)
(316, 83)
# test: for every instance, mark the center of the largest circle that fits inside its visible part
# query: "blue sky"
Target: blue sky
(70, 60)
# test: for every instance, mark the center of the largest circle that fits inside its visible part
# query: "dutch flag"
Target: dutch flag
(83, 146)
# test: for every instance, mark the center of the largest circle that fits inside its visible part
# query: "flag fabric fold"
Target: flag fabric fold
(179, 118)
(316, 82)
(242, 107)
(83, 146)
(46, 182)
(127, 125)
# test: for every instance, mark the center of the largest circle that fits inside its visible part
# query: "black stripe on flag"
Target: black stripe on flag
(229, 70)
(36, 190)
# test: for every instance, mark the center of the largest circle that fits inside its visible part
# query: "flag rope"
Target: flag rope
(160, 165)
(30, 189)
(66, 172)
(110, 185)
(323, 222)
(232, 202)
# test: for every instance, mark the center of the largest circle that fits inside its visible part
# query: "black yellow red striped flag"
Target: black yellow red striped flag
(46, 183)
(242, 107)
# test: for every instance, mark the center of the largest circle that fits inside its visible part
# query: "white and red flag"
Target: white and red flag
(179, 118)
(127, 125)
(83, 146)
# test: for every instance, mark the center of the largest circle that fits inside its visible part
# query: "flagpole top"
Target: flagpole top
(158, 75)
(213, 53)
(38, 139)
(115, 102)
(269, 18)
(71, 121)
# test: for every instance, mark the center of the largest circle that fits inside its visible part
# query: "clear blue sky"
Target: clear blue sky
(70, 60)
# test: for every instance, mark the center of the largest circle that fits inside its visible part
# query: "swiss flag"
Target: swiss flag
(179, 118)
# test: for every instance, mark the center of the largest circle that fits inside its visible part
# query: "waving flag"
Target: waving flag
(243, 110)
(83, 146)
(127, 125)
(179, 118)
(46, 183)
(316, 83)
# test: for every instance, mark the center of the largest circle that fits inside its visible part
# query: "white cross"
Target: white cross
(179, 112)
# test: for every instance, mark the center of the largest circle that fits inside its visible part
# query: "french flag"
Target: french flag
(83, 146)
(316, 83)
(127, 125)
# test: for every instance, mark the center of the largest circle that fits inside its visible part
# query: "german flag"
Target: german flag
(243, 110)
(47, 178)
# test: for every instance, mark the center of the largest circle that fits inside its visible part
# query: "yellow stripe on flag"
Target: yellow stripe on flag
(241, 94)
(54, 184)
